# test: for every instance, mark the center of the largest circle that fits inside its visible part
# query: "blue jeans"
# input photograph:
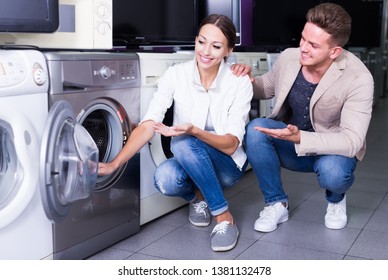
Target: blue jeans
(197, 165)
(267, 155)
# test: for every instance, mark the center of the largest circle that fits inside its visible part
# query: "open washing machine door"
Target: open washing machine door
(68, 160)
(18, 166)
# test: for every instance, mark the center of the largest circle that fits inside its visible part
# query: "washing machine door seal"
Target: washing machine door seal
(69, 161)
(113, 127)
(18, 166)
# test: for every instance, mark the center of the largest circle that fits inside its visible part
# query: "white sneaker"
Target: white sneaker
(271, 216)
(335, 217)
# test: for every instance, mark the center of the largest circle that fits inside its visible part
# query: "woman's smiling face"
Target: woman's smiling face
(211, 47)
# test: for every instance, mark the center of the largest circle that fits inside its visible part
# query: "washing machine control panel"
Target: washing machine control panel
(106, 72)
(12, 70)
(119, 72)
(24, 69)
(86, 71)
(39, 75)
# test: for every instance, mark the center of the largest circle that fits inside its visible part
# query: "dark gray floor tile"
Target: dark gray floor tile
(363, 199)
(358, 217)
(177, 218)
(148, 233)
(379, 221)
(312, 236)
(247, 202)
(270, 251)
(384, 203)
(298, 177)
(190, 244)
(300, 190)
(373, 170)
(245, 222)
(111, 254)
(356, 198)
(315, 211)
(370, 245)
(138, 256)
(369, 184)
(351, 258)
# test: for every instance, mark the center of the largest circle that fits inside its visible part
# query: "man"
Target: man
(323, 107)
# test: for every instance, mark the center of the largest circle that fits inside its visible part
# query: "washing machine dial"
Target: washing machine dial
(105, 72)
(39, 75)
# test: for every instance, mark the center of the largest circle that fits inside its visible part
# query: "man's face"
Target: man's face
(315, 45)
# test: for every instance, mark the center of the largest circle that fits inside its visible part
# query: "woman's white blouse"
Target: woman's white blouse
(227, 101)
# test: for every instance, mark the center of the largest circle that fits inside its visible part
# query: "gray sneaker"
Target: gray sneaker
(224, 236)
(199, 214)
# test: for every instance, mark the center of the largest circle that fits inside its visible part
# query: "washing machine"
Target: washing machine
(25, 231)
(259, 63)
(100, 91)
(152, 203)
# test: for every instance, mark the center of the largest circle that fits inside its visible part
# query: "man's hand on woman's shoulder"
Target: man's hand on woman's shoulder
(242, 70)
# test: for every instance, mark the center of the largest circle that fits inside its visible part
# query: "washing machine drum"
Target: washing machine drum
(108, 124)
(98, 129)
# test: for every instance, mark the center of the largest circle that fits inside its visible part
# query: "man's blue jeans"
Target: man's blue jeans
(267, 155)
(197, 165)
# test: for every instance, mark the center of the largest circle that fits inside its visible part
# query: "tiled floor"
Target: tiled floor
(304, 236)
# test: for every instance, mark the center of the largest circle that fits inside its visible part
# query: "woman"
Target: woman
(211, 108)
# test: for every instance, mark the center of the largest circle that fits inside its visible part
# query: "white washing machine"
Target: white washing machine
(152, 203)
(259, 62)
(25, 231)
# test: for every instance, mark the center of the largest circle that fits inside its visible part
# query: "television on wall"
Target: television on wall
(278, 25)
(37, 16)
(154, 22)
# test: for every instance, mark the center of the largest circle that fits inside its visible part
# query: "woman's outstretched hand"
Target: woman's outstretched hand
(173, 130)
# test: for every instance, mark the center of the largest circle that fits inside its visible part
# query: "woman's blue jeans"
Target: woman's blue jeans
(197, 165)
(267, 155)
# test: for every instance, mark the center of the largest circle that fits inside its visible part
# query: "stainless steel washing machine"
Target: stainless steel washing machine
(103, 90)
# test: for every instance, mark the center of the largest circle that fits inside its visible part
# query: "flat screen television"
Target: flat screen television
(229, 8)
(366, 22)
(38, 16)
(154, 22)
(278, 25)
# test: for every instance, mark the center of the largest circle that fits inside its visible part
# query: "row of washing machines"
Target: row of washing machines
(60, 114)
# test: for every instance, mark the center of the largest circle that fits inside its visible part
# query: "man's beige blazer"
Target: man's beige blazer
(340, 108)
